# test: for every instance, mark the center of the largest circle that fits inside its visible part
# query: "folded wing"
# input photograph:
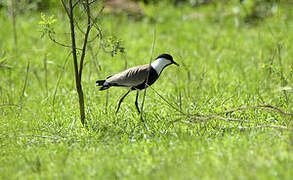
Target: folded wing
(130, 77)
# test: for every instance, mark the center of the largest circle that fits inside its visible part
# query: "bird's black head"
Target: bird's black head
(168, 57)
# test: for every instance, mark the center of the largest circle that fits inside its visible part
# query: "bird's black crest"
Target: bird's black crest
(166, 56)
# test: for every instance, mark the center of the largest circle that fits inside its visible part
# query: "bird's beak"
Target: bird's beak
(176, 63)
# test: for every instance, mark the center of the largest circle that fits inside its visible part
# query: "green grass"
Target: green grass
(225, 63)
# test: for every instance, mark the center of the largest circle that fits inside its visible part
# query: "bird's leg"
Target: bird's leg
(120, 101)
(136, 104)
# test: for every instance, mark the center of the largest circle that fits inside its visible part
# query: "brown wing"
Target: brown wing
(130, 77)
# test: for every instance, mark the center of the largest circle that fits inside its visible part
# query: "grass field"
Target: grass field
(227, 61)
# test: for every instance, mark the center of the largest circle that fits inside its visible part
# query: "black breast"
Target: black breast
(153, 76)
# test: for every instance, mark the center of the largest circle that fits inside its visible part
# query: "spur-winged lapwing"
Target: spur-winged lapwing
(135, 78)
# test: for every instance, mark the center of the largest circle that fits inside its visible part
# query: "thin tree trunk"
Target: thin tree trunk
(77, 79)
(68, 6)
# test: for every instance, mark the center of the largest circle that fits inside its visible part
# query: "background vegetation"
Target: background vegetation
(232, 55)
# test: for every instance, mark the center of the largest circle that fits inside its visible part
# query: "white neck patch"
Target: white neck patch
(159, 64)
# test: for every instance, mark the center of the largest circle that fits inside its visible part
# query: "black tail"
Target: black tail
(101, 83)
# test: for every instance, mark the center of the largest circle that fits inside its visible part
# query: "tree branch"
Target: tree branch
(87, 9)
(65, 7)
(64, 45)
(76, 3)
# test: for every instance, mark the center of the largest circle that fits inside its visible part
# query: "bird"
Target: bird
(137, 78)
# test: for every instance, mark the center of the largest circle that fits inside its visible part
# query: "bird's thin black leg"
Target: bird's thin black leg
(120, 101)
(136, 104)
